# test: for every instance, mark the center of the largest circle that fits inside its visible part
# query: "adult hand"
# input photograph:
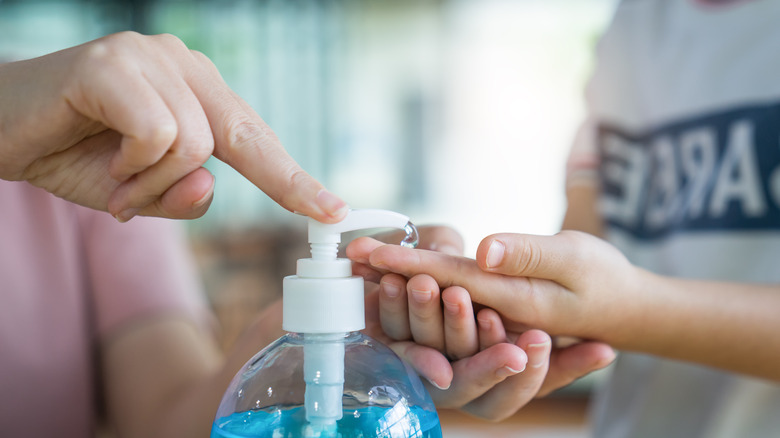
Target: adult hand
(124, 124)
(500, 373)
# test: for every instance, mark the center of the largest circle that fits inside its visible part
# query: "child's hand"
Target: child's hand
(570, 284)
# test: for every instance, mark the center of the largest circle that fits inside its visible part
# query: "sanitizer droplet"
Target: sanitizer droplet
(412, 236)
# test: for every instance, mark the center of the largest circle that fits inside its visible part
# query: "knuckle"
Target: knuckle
(532, 306)
(461, 269)
(95, 51)
(396, 333)
(121, 38)
(203, 60)
(159, 135)
(150, 145)
(425, 315)
(296, 177)
(126, 35)
(528, 257)
(113, 45)
(196, 151)
(170, 40)
(200, 56)
(103, 58)
(101, 52)
(242, 133)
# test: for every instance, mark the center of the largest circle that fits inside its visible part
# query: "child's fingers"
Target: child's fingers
(460, 327)
(367, 272)
(358, 251)
(393, 308)
(496, 291)
(433, 237)
(491, 328)
(425, 314)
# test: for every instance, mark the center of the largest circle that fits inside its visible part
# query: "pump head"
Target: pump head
(323, 296)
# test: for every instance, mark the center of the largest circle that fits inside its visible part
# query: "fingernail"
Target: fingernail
(391, 290)
(331, 204)
(495, 254)
(421, 296)
(605, 361)
(538, 348)
(506, 371)
(451, 308)
(485, 324)
(443, 388)
(206, 198)
(126, 215)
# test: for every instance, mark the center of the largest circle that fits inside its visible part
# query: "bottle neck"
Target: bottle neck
(327, 337)
(324, 251)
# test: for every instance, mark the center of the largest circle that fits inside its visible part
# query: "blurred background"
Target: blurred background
(456, 112)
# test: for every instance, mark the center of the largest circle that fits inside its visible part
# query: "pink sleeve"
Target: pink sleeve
(139, 269)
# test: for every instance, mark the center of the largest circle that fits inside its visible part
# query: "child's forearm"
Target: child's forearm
(725, 325)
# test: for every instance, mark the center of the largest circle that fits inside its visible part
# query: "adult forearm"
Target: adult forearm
(193, 411)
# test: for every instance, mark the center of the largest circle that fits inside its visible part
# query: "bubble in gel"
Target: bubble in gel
(412, 236)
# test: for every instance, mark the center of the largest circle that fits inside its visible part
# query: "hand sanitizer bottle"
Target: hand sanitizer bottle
(325, 378)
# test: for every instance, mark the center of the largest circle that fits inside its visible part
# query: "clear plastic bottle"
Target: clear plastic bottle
(326, 379)
(382, 396)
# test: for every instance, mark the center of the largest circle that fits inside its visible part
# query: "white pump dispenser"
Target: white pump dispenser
(325, 302)
(327, 379)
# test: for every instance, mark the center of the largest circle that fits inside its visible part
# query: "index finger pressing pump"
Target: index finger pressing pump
(325, 378)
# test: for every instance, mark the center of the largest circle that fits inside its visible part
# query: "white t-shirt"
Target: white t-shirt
(683, 133)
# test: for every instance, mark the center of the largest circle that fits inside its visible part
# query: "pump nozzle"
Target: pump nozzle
(355, 220)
